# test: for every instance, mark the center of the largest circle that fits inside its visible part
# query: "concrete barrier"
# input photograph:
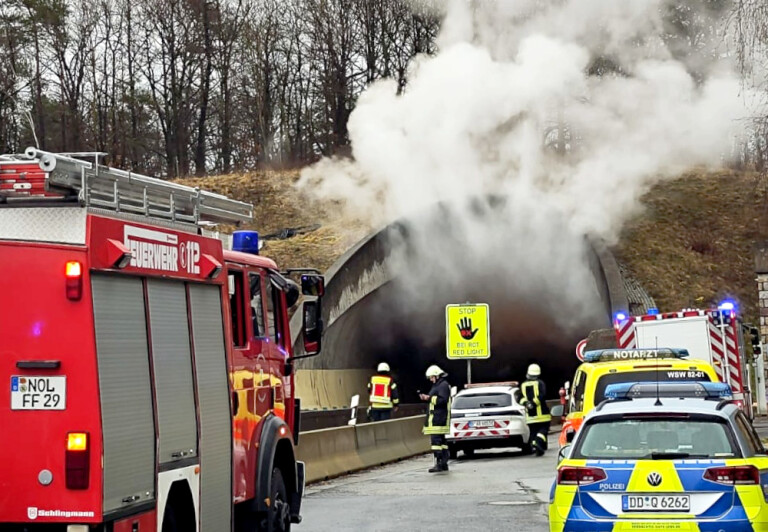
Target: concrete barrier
(332, 452)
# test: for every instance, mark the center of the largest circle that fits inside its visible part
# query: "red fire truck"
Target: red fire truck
(713, 335)
(150, 370)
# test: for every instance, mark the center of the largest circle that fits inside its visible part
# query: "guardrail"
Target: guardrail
(336, 451)
(323, 419)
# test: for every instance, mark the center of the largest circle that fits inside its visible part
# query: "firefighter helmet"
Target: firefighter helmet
(534, 370)
(383, 367)
(434, 371)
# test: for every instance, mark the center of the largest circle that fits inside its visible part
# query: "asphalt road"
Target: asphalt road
(494, 490)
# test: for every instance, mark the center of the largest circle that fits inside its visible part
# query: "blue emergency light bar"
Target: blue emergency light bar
(610, 355)
(637, 390)
(246, 242)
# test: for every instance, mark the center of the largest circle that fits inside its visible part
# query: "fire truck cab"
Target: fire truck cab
(150, 370)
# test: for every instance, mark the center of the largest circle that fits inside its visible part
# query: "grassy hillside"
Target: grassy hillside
(692, 246)
(278, 206)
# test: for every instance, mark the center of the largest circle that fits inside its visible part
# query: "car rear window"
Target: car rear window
(662, 374)
(479, 401)
(661, 438)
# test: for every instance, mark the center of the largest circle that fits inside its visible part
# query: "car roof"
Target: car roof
(669, 405)
(488, 389)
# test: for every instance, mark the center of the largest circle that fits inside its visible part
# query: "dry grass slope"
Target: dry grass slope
(279, 205)
(693, 244)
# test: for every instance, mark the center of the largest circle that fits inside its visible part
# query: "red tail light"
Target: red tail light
(74, 276)
(579, 476)
(733, 475)
(77, 460)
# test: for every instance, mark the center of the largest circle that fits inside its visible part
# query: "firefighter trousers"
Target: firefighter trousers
(439, 446)
(381, 414)
(538, 437)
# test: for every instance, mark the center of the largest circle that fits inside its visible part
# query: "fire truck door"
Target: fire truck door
(124, 385)
(172, 366)
(213, 394)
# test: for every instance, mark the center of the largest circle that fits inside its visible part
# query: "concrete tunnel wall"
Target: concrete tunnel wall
(367, 322)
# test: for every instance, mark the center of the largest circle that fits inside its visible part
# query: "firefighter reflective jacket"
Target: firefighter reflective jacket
(532, 394)
(439, 414)
(382, 392)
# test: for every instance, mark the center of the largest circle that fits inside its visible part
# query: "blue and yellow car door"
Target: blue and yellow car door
(603, 505)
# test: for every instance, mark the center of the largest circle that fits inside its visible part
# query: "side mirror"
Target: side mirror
(312, 326)
(569, 434)
(557, 411)
(312, 285)
(288, 369)
(564, 452)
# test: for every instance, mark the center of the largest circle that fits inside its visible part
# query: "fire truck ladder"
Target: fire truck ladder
(43, 177)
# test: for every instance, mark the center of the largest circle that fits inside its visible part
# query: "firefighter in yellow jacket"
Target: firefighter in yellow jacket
(438, 421)
(532, 395)
(382, 394)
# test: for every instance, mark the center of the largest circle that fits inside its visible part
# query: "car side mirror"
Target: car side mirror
(564, 452)
(312, 326)
(557, 411)
(569, 434)
(312, 285)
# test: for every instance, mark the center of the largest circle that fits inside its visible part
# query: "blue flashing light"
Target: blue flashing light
(653, 311)
(727, 305)
(695, 389)
(611, 355)
(620, 316)
(246, 242)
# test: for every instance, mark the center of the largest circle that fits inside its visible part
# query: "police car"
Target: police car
(662, 456)
(484, 416)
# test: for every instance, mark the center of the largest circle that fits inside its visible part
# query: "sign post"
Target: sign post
(467, 333)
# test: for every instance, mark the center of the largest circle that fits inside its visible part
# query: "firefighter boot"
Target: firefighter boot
(446, 456)
(438, 463)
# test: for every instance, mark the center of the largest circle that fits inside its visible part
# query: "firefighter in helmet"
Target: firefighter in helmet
(438, 421)
(531, 395)
(382, 394)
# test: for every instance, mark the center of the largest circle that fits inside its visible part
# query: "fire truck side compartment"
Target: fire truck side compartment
(172, 366)
(215, 417)
(124, 385)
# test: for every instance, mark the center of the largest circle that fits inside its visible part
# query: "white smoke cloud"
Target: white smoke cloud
(482, 116)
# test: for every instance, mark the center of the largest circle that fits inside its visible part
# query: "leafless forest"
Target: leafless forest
(180, 87)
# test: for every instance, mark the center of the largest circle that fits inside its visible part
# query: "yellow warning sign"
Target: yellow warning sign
(467, 331)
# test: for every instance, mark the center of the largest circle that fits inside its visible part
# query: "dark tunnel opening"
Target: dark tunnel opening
(386, 298)
(411, 339)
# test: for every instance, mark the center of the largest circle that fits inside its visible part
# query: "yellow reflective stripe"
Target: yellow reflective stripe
(436, 447)
(434, 430)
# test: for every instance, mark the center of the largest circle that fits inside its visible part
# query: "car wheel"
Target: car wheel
(453, 452)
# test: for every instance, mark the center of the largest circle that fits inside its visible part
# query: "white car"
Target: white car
(484, 416)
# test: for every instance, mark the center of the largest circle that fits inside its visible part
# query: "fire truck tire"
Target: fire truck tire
(469, 452)
(170, 524)
(278, 517)
(453, 452)
(526, 448)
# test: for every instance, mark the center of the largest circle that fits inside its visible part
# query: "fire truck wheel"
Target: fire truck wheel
(469, 452)
(170, 523)
(278, 518)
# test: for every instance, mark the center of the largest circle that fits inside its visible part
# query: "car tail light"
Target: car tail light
(74, 276)
(746, 474)
(579, 476)
(77, 460)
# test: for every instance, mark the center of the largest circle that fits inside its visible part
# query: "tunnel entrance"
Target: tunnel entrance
(385, 301)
